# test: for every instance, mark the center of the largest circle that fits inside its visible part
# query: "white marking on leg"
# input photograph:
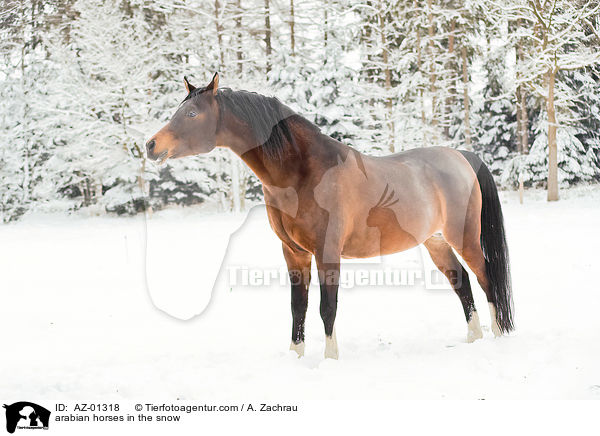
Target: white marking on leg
(494, 324)
(331, 346)
(298, 348)
(474, 328)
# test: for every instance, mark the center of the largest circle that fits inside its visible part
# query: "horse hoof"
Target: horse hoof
(495, 329)
(474, 327)
(472, 336)
(332, 354)
(298, 348)
(331, 347)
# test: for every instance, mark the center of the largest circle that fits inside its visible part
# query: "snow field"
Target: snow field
(77, 320)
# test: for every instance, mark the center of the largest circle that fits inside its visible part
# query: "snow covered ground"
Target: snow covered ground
(77, 321)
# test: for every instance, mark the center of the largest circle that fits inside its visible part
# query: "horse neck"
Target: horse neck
(310, 147)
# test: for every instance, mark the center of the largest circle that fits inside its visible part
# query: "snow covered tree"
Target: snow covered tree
(83, 84)
(24, 72)
(560, 33)
(587, 111)
(97, 103)
(496, 131)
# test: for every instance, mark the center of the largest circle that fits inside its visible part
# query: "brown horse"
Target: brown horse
(325, 199)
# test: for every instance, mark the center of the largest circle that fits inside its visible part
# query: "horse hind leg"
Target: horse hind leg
(473, 256)
(442, 255)
(482, 231)
(467, 244)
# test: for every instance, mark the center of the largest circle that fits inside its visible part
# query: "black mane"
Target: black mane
(269, 119)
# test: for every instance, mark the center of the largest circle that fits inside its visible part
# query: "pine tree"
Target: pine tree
(496, 132)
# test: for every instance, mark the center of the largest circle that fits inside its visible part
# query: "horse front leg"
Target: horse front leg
(329, 276)
(298, 263)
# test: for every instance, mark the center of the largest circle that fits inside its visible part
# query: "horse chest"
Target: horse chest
(291, 230)
(293, 221)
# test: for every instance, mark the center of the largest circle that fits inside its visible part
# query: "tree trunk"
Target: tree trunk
(451, 90)
(239, 32)
(292, 23)
(519, 122)
(467, 103)
(219, 35)
(25, 115)
(432, 75)
(388, 80)
(83, 193)
(268, 35)
(26, 177)
(521, 188)
(325, 24)
(524, 123)
(144, 185)
(97, 191)
(366, 40)
(235, 183)
(420, 67)
(552, 146)
(522, 116)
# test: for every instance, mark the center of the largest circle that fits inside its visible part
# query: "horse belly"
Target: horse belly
(403, 225)
(371, 242)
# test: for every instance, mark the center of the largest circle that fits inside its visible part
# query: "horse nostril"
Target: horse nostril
(150, 145)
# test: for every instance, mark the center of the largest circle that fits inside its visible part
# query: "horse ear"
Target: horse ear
(188, 85)
(214, 84)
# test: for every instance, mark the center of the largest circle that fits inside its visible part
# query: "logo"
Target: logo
(26, 415)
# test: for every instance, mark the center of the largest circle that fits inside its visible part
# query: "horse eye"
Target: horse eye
(191, 114)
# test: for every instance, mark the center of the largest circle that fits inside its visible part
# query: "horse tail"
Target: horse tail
(493, 244)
